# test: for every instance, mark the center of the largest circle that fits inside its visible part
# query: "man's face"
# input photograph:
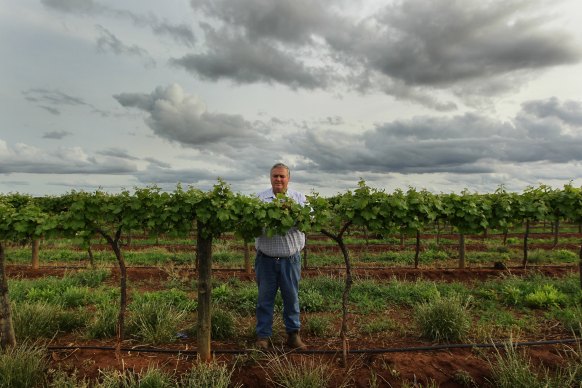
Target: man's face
(279, 180)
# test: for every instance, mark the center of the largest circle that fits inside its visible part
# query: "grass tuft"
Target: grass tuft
(305, 372)
(42, 320)
(152, 377)
(444, 318)
(318, 326)
(104, 322)
(23, 366)
(155, 321)
(213, 374)
(61, 379)
(511, 368)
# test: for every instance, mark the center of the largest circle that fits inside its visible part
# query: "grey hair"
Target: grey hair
(278, 165)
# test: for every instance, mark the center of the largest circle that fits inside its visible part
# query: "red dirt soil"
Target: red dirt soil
(390, 369)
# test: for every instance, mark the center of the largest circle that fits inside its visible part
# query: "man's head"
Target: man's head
(280, 178)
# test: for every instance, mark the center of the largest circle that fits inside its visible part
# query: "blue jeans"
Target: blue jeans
(273, 274)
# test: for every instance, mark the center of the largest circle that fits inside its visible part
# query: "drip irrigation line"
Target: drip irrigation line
(329, 351)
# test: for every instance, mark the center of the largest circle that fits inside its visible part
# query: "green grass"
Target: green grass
(240, 298)
(230, 259)
(329, 286)
(521, 292)
(61, 379)
(154, 319)
(311, 300)
(487, 257)
(496, 322)
(512, 368)
(23, 366)
(228, 254)
(212, 374)
(380, 324)
(307, 372)
(324, 259)
(319, 326)
(443, 318)
(569, 317)
(368, 296)
(179, 299)
(541, 256)
(387, 258)
(545, 296)
(22, 255)
(150, 256)
(499, 307)
(152, 377)
(89, 278)
(103, 322)
(223, 324)
(35, 320)
(72, 290)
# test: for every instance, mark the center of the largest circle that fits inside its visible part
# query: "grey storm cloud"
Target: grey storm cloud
(50, 109)
(192, 176)
(551, 118)
(52, 97)
(107, 41)
(443, 42)
(261, 41)
(411, 50)
(183, 118)
(419, 128)
(290, 21)
(74, 6)
(460, 143)
(124, 154)
(568, 112)
(245, 61)
(56, 135)
(33, 167)
(157, 162)
(117, 153)
(52, 100)
(181, 33)
(402, 91)
(335, 120)
(408, 49)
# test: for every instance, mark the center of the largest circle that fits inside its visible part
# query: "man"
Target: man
(278, 266)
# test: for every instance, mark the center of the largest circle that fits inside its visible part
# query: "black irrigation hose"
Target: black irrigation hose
(330, 351)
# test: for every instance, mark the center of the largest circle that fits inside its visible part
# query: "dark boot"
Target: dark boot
(294, 341)
(262, 343)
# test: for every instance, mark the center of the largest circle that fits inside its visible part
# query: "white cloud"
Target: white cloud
(24, 158)
(183, 118)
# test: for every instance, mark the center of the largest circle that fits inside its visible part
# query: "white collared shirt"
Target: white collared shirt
(290, 243)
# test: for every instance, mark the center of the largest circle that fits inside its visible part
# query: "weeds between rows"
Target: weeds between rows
(27, 366)
(83, 304)
(225, 257)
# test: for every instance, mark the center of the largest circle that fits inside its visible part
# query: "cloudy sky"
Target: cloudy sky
(436, 94)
